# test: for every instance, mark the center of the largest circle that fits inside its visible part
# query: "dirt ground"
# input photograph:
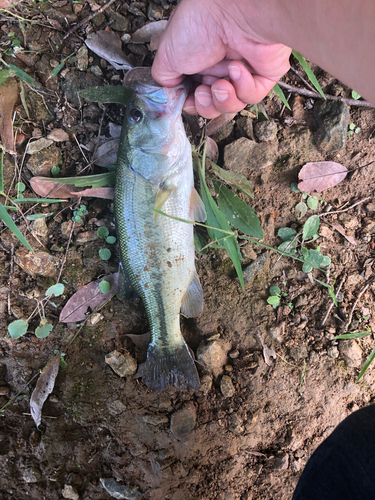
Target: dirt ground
(247, 443)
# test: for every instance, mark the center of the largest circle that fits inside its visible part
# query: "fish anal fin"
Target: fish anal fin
(192, 303)
(125, 289)
(161, 197)
(197, 210)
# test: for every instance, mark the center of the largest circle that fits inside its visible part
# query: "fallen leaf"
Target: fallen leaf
(53, 189)
(88, 297)
(212, 151)
(106, 154)
(8, 98)
(4, 4)
(36, 146)
(141, 341)
(58, 135)
(107, 45)
(43, 389)
(214, 125)
(341, 230)
(148, 31)
(321, 175)
(114, 130)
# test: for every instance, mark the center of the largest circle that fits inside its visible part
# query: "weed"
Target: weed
(353, 129)
(277, 297)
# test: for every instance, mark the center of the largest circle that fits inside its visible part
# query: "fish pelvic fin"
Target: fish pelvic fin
(161, 197)
(192, 303)
(169, 368)
(197, 210)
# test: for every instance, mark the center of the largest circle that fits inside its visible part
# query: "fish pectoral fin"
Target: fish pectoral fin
(125, 289)
(192, 303)
(161, 197)
(197, 210)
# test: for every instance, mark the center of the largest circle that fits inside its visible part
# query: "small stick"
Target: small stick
(316, 95)
(332, 303)
(345, 209)
(349, 320)
(302, 79)
(88, 18)
(67, 249)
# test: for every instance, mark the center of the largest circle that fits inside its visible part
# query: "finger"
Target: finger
(204, 102)
(225, 98)
(189, 105)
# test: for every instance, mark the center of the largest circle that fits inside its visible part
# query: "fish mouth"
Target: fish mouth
(159, 101)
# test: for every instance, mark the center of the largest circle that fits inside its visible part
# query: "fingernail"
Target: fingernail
(204, 99)
(220, 95)
(191, 110)
(234, 72)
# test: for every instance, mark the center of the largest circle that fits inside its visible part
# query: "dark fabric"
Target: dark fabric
(343, 466)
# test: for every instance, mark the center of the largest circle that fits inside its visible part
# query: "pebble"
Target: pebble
(36, 264)
(226, 387)
(244, 127)
(206, 384)
(351, 353)
(298, 352)
(213, 356)
(41, 163)
(155, 12)
(332, 119)
(277, 333)
(156, 419)
(119, 22)
(31, 475)
(224, 132)
(39, 145)
(39, 226)
(121, 492)
(302, 300)
(266, 131)
(255, 267)
(282, 463)
(236, 425)
(86, 237)
(4, 390)
(121, 363)
(70, 492)
(95, 70)
(82, 58)
(183, 421)
(58, 135)
(245, 156)
(333, 352)
(116, 407)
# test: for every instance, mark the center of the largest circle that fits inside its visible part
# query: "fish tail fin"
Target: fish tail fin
(174, 367)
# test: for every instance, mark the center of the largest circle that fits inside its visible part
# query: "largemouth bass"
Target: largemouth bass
(154, 170)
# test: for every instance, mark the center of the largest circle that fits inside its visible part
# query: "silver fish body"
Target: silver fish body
(154, 170)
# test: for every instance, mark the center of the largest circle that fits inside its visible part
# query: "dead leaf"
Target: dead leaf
(43, 389)
(114, 130)
(341, 230)
(8, 98)
(145, 34)
(88, 297)
(141, 341)
(52, 189)
(107, 45)
(321, 175)
(106, 154)
(214, 125)
(212, 151)
(5, 4)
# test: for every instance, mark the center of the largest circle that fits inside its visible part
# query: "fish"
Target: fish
(157, 255)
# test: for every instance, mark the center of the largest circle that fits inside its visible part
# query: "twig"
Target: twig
(332, 303)
(302, 79)
(83, 154)
(88, 18)
(66, 253)
(267, 352)
(316, 95)
(349, 320)
(345, 209)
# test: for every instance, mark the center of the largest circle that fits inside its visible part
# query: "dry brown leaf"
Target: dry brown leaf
(219, 122)
(88, 297)
(148, 31)
(43, 389)
(53, 189)
(107, 45)
(212, 151)
(141, 341)
(341, 230)
(106, 154)
(5, 4)
(321, 175)
(8, 98)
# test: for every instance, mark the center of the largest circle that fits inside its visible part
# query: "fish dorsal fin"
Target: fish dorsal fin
(197, 210)
(161, 197)
(192, 303)
(125, 290)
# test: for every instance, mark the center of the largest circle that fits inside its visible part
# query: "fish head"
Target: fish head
(154, 128)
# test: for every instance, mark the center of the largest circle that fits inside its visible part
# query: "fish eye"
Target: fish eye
(136, 115)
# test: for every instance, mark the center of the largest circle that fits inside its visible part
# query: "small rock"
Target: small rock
(116, 407)
(138, 49)
(121, 363)
(82, 58)
(370, 207)
(298, 352)
(156, 419)
(58, 135)
(94, 319)
(226, 386)
(244, 127)
(86, 237)
(133, 9)
(213, 356)
(333, 352)
(95, 70)
(70, 492)
(4, 390)
(302, 300)
(206, 384)
(266, 131)
(236, 425)
(224, 132)
(36, 264)
(119, 491)
(39, 226)
(351, 353)
(246, 157)
(183, 421)
(63, 15)
(255, 267)
(332, 119)
(282, 463)
(41, 163)
(119, 22)
(66, 228)
(31, 475)
(234, 354)
(39, 145)
(155, 12)
(277, 333)
(126, 38)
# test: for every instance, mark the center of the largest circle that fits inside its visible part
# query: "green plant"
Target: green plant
(353, 129)
(357, 335)
(79, 213)
(276, 297)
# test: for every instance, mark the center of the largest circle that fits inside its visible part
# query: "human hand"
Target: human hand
(220, 43)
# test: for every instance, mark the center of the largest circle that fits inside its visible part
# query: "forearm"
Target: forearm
(338, 35)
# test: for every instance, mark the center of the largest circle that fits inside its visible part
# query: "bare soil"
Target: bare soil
(251, 445)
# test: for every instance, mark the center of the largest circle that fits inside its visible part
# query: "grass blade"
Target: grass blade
(309, 72)
(24, 76)
(37, 200)
(280, 93)
(233, 179)
(368, 362)
(355, 335)
(8, 221)
(93, 181)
